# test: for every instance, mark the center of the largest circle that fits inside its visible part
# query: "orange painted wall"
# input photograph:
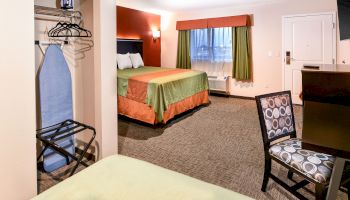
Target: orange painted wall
(135, 24)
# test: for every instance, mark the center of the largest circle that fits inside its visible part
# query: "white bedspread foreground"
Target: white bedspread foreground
(122, 178)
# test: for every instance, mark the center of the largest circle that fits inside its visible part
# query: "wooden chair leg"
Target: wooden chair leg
(290, 175)
(267, 173)
(320, 192)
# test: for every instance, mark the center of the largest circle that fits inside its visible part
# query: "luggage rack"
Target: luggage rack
(50, 135)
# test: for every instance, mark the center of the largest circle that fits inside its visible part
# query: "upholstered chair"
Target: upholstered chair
(281, 145)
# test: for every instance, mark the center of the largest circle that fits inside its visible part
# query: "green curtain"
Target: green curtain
(183, 50)
(241, 53)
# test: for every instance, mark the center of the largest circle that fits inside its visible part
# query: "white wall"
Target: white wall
(17, 86)
(266, 36)
(17, 107)
(106, 114)
(85, 76)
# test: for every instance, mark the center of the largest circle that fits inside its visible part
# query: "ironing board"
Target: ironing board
(55, 87)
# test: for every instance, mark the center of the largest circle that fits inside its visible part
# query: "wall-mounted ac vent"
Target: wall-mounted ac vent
(219, 84)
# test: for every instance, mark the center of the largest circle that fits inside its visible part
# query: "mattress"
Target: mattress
(164, 92)
(119, 177)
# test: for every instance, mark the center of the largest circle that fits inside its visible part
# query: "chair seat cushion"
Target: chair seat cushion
(317, 166)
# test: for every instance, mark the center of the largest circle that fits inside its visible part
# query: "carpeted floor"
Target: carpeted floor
(220, 144)
(47, 180)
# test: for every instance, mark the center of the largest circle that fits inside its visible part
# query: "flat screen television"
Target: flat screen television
(344, 19)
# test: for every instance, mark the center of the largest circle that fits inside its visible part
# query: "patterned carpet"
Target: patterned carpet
(220, 144)
(47, 180)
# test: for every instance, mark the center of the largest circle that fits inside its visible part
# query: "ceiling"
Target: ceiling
(179, 5)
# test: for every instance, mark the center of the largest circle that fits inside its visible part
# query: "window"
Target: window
(211, 45)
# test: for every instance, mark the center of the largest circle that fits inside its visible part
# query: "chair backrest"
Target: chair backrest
(276, 116)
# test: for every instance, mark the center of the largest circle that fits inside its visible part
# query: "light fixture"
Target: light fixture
(156, 34)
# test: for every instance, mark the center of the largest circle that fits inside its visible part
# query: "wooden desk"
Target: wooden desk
(326, 126)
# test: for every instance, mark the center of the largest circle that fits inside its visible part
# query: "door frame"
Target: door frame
(334, 19)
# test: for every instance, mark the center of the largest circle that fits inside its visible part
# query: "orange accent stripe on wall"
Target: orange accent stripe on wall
(135, 24)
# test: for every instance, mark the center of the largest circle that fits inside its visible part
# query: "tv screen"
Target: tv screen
(344, 19)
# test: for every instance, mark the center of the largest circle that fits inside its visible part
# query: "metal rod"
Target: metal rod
(58, 132)
(69, 134)
(42, 10)
(54, 127)
(37, 42)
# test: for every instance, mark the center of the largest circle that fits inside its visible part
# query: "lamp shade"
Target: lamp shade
(156, 34)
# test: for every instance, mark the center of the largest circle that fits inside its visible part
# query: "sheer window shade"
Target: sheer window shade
(211, 51)
(213, 45)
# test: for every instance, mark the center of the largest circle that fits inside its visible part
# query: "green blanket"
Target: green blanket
(164, 90)
(123, 178)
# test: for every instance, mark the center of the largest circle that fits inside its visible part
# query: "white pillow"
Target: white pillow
(136, 60)
(124, 61)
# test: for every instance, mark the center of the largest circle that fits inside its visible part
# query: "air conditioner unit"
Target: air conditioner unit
(219, 84)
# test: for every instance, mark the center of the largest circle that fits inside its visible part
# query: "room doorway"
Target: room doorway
(308, 39)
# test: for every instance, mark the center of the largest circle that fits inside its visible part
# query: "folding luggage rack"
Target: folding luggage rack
(51, 135)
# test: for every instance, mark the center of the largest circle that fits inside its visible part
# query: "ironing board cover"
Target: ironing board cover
(55, 101)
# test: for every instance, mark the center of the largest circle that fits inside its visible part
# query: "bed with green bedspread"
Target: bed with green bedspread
(159, 87)
(123, 178)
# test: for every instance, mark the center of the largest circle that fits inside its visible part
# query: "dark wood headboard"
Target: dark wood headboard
(129, 46)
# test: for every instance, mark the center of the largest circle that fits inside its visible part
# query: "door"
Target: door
(307, 40)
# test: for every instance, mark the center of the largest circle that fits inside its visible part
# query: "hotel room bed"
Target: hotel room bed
(119, 177)
(155, 95)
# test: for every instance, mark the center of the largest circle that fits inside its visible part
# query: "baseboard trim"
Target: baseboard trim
(231, 96)
(242, 97)
(252, 98)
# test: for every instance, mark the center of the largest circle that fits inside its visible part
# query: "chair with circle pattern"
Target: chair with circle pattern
(277, 121)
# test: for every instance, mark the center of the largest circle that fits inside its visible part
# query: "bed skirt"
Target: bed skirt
(145, 113)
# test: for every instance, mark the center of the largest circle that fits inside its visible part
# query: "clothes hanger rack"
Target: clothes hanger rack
(38, 42)
(68, 29)
(69, 22)
(41, 43)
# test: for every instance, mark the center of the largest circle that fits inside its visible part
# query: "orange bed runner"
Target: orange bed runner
(137, 86)
(145, 113)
